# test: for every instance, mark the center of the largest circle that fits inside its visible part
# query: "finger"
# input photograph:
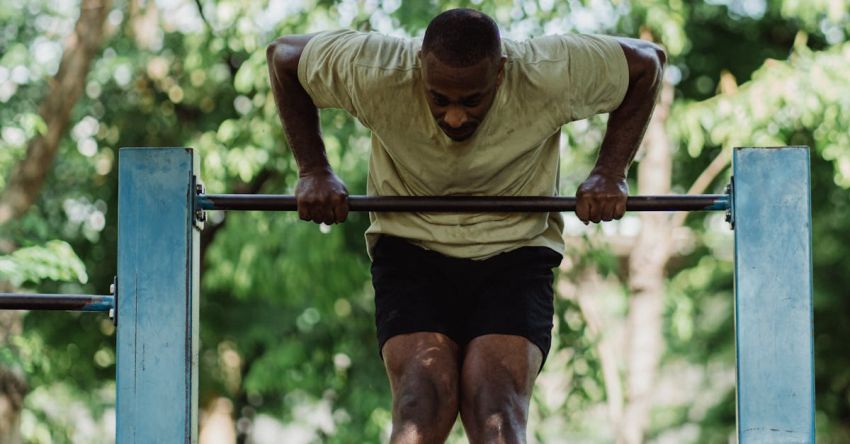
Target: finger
(303, 211)
(595, 212)
(340, 208)
(607, 211)
(307, 210)
(314, 211)
(341, 212)
(620, 209)
(326, 215)
(583, 209)
(336, 213)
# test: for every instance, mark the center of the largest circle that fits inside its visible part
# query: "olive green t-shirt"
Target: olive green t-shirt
(548, 82)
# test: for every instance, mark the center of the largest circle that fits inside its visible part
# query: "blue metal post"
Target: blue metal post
(773, 295)
(158, 251)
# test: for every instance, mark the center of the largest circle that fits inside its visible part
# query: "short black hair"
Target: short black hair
(462, 37)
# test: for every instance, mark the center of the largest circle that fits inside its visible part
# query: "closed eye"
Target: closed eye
(439, 99)
(472, 101)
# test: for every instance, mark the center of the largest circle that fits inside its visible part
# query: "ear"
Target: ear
(500, 75)
(420, 56)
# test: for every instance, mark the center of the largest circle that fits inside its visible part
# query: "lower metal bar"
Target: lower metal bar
(67, 302)
(474, 204)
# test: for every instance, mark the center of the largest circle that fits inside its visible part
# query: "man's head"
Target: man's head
(462, 67)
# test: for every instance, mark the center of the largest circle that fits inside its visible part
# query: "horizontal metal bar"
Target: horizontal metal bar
(467, 204)
(67, 302)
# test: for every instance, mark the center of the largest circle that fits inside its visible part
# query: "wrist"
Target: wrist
(611, 173)
(319, 169)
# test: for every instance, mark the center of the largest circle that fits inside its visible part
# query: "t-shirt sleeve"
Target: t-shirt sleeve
(595, 74)
(327, 68)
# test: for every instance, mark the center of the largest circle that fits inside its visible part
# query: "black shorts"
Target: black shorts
(421, 290)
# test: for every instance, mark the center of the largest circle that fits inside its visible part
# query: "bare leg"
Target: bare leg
(423, 369)
(497, 378)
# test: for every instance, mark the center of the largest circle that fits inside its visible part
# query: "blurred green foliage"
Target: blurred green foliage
(287, 327)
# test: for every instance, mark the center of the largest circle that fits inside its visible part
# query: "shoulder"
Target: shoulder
(561, 48)
(365, 49)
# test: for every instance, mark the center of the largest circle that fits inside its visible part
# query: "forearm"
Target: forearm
(627, 124)
(298, 114)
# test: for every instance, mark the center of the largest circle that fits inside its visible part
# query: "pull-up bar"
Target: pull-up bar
(161, 204)
(67, 302)
(463, 204)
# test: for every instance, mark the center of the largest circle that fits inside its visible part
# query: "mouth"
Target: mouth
(459, 134)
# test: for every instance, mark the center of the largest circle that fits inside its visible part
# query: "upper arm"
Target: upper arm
(589, 74)
(336, 68)
(284, 54)
(645, 59)
(322, 64)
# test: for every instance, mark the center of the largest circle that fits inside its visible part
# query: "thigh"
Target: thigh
(496, 384)
(509, 363)
(421, 355)
(411, 293)
(517, 300)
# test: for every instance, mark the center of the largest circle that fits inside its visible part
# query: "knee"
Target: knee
(426, 404)
(494, 411)
(495, 406)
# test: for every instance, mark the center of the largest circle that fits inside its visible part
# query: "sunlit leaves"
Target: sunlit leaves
(54, 260)
(287, 308)
(807, 93)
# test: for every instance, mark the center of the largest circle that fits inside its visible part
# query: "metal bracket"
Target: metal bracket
(113, 290)
(730, 212)
(200, 215)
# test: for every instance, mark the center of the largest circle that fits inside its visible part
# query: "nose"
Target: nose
(455, 117)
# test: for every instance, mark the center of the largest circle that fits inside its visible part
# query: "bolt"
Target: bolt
(112, 288)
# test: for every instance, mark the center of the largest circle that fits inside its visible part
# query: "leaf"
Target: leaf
(55, 261)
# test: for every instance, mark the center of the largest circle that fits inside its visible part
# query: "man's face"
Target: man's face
(459, 98)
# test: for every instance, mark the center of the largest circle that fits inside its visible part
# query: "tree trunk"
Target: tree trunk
(646, 279)
(217, 425)
(13, 388)
(27, 178)
(63, 90)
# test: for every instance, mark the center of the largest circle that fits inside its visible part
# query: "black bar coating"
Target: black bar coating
(67, 302)
(506, 204)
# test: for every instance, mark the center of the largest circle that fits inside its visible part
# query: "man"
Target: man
(464, 302)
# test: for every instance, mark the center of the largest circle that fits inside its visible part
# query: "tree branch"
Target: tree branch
(203, 16)
(705, 179)
(585, 292)
(64, 89)
(253, 187)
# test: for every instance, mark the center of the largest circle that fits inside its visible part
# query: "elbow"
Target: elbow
(651, 71)
(660, 61)
(282, 55)
(646, 62)
(660, 56)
